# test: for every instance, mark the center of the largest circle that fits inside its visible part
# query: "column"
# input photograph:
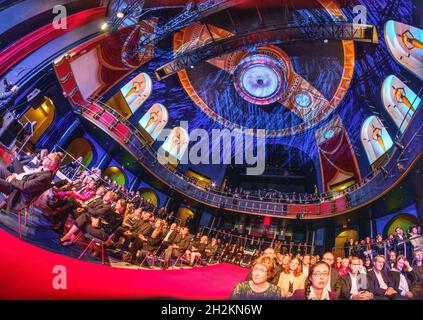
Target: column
(104, 162)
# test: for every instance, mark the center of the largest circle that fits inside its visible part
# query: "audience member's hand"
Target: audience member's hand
(95, 222)
(407, 265)
(390, 291)
(409, 294)
(11, 177)
(366, 295)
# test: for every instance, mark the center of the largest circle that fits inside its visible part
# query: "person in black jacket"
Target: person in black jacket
(402, 277)
(178, 248)
(120, 232)
(21, 187)
(90, 220)
(379, 281)
(147, 243)
(141, 229)
(170, 235)
(354, 284)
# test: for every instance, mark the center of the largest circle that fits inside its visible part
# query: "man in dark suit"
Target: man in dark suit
(170, 235)
(129, 226)
(334, 283)
(76, 208)
(179, 246)
(354, 284)
(141, 228)
(22, 187)
(90, 220)
(379, 281)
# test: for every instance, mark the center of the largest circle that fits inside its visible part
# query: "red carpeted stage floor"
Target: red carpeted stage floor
(28, 272)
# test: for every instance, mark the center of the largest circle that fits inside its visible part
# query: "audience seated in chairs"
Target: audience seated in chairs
(354, 283)
(178, 248)
(170, 234)
(98, 220)
(196, 250)
(402, 277)
(75, 203)
(129, 224)
(22, 187)
(149, 243)
(141, 230)
(379, 281)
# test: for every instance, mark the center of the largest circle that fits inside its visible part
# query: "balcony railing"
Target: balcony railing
(372, 187)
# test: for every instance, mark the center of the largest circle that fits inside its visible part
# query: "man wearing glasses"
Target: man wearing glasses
(21, 187)
(354, 284)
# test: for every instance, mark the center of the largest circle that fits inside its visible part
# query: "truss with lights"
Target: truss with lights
(272, 35)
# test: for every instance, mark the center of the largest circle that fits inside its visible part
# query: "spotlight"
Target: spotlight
(104, 26)
(192, 67)
(213, 185)
(326, 41)
(120, 15)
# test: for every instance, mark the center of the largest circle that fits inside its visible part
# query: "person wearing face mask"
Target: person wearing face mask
(354, 283)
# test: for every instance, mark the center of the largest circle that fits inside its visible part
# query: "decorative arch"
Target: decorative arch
(80, 147)
(177, 142)
(154, 120)
(43, 115)
(137, 91)
(115, 174)
(402, 220)
(375, 138)
(147, 193)
(399, 101)
(185, 215)
(343, 237)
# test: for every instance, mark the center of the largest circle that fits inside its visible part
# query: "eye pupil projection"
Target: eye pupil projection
(260, 79)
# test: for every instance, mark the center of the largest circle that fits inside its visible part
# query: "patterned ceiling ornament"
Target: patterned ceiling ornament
(298, 88)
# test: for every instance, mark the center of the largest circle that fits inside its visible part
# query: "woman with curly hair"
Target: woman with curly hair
(258, 288)
(315, 287)
(291, 278)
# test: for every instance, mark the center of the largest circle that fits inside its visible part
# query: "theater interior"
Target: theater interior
(291, 124)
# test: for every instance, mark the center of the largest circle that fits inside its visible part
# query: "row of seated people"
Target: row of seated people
(302, 278)
(134, 229)
(95, 210)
